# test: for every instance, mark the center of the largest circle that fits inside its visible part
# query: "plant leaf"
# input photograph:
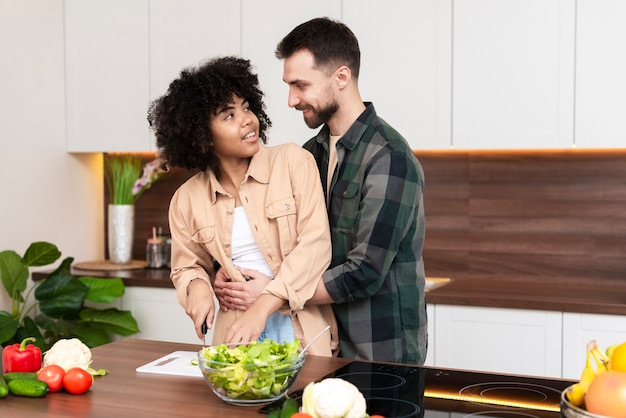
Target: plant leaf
(30, 329)
(92, 335)
(8, 326)
(115, 321)
(61, 296)
(14, 274)
(41, 253)
(64, 267)
(103, 290)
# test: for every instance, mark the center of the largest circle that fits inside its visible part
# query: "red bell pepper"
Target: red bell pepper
(21, 357)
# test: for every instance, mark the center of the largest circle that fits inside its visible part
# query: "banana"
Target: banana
(601, 359)
(576, 393)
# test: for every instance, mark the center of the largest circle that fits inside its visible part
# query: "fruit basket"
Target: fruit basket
(601, 390)
(570, 411)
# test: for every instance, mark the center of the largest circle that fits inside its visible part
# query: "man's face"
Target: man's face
(311, 90)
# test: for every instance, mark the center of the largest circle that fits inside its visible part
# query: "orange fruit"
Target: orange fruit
(618, 358)
(607, 395)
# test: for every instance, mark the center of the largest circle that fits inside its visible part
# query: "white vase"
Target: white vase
(121, 228)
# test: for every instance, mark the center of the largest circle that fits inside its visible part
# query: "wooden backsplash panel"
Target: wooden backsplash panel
(558, 215)
(510, 215)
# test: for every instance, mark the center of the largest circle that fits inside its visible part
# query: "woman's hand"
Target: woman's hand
(200, 306)
(250, 325)
(239, 295)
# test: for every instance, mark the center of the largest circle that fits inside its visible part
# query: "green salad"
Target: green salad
(259, 370)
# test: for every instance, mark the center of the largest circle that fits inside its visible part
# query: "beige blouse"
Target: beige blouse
(284, 202)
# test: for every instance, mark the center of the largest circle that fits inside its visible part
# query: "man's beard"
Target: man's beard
(318, 117)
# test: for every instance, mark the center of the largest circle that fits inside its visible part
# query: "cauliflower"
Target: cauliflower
(333, 398)
(68, 353)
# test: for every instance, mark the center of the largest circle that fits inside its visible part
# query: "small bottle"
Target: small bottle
(167, 252)
(154, 251)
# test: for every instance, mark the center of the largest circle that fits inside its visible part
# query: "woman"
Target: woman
(248, 207)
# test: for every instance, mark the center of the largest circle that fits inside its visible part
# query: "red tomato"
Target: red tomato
(301, 415)
(53, 376)
(376, 416)
(77, 381)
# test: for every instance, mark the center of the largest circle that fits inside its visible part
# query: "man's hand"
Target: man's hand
(239, 295)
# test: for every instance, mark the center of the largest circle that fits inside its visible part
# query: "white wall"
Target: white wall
(46, 194)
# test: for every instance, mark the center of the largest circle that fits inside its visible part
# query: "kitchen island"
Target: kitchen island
(124, 392)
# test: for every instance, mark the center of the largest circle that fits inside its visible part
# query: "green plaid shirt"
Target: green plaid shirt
(376, 212)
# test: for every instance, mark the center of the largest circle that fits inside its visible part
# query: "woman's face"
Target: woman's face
(235, 131)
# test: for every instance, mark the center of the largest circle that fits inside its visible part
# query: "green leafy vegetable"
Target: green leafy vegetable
(259, 370)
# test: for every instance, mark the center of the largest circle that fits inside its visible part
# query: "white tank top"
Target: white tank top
(246, 253)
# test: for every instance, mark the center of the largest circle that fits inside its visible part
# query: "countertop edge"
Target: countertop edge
(587, 297)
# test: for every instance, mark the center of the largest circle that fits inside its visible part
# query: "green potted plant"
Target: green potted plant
(67, 304)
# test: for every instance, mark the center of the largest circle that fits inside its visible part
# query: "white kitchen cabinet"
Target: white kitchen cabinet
(499, 340)
(122, 55)
(263, 25)
(430, 356)
(406, 59)
(160, 316)
(185, 33)
(513, 74)
(107, 75)
(579, 329)
(600, 74)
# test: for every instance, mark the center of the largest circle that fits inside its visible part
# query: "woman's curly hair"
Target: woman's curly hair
(180, 119)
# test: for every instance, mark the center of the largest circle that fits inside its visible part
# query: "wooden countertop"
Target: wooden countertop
(580, 296)
(127, 393)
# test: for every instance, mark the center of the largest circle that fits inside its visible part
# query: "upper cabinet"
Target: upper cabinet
(185, 33)
(405, 65)
(471, 74)
(513, 74)
(263, 25)
(600, 74)
(107, 75)
(121, 55)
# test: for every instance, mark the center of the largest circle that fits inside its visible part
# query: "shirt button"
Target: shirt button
(227, 245)
(287, 206)
(229, 212)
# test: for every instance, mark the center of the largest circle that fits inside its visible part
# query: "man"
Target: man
(373, 185)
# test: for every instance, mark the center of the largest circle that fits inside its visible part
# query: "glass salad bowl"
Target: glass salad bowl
(251, 373)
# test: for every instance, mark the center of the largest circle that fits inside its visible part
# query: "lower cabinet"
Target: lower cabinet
(159, 315)
(518, 341)
(430, 356)
(514, 341)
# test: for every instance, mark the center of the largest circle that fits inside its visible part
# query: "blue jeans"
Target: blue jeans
(278, 328)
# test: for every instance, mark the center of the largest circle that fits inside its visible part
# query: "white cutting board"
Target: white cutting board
(177, 363)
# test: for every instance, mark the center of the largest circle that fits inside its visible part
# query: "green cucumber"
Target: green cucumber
(20, 376)
(4, 388)
(28, 388)
(290, 407)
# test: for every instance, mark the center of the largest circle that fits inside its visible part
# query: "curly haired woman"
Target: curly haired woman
(250, 207)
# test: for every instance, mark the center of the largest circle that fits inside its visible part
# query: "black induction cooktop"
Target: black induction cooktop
(404, 391)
